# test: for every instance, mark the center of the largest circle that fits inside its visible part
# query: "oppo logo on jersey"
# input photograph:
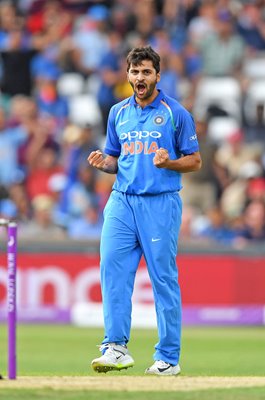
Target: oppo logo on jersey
(131, 146)
(140, 135)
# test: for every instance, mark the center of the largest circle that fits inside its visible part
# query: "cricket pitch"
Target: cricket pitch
(133, 383)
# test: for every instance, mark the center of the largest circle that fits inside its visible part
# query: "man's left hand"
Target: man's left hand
(161, 158)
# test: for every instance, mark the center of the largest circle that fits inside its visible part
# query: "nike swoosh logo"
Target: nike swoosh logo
(123, 122)
(163, 369)
(155, 240)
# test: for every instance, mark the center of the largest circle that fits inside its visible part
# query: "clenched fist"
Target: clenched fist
(161, 158)
(96, 159)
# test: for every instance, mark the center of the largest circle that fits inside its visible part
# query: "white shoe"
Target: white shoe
(163, 368)
(115, 358)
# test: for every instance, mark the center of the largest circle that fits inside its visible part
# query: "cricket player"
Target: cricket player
(151, 140)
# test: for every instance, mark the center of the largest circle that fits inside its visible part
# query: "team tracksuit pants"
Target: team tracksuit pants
(136, 225)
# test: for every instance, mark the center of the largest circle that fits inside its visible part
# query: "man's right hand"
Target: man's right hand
(96, 159)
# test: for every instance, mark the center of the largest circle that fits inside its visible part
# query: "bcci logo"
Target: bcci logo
(159, 120)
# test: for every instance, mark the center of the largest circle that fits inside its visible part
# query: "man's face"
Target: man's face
(143, 79)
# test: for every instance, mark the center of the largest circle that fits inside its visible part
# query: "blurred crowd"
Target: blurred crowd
(63, 65)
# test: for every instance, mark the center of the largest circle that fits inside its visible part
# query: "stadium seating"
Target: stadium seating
(70, 84)
(224, 93)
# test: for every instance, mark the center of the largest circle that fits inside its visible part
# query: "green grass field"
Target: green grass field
(56, 350)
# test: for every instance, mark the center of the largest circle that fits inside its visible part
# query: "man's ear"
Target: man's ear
(158, 76)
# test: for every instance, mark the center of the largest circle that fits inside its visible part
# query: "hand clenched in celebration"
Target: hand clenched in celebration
(161, 158)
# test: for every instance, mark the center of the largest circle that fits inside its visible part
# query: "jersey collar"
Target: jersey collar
(154, 103)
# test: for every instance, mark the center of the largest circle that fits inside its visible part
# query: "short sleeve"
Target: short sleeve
(187, 137)
(112, 147)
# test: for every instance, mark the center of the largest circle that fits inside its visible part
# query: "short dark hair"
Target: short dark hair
(137, 55)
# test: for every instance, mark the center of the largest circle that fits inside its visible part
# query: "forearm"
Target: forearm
(189, 163)
(110, 165)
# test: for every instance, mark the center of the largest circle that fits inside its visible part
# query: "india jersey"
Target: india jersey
(134, 134)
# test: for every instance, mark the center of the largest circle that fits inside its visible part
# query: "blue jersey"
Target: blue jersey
(134, 134)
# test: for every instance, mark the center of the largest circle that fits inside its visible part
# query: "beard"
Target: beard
(143, 91)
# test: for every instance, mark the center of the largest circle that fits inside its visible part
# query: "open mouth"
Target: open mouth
(141, 88)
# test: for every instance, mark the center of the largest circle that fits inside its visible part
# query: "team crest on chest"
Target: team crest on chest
(159, 120)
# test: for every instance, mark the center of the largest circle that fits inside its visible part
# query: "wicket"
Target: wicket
(11, 227)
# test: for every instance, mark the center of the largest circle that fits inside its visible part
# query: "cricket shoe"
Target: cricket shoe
(163, 368)
(115, 357)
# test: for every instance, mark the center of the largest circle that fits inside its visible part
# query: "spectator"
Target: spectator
(256, 189)
(204, 23)
(50, 24)
(16, 51)
(86, 226)
(41, 226)
(200, 191)
(110, 74)
(77, 143)
(9, 20)
(11, 138)
(217, 230)
(47, 164)
(253, 229)
(18, 195)
(241, 189)
(50, 103)
(223, 51)
(251, 26)
(16, 64)
(145, 15)
(172, 21)
(57, 185)
(24, 112)
(172, 66)
(122, 19)
(90, 40)
(231, 155)
(103, 188)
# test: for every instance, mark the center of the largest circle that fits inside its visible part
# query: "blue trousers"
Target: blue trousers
(135, 226)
